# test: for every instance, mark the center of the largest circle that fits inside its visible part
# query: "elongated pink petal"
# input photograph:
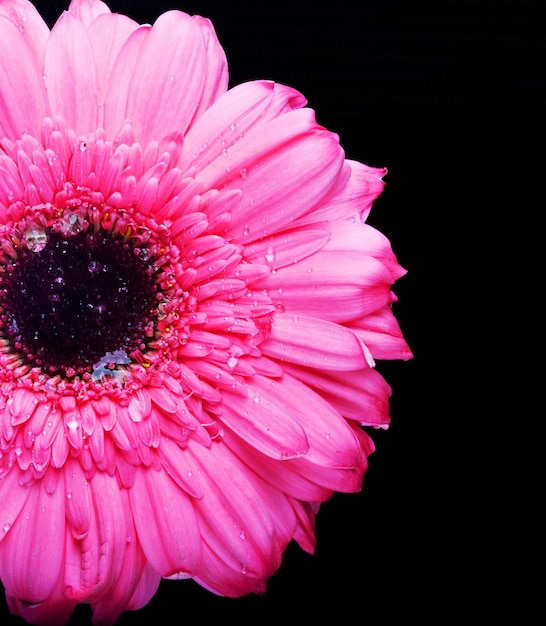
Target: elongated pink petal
(172, 59)
(285, 168)
(361, 285)
(381, 332)
(70, 74)
(23, 100)
(248, 540)
(55, 609)
(346, 235)
(29, 23)
(361, 395)
(37, 538)
(13, 497)
(165, 523)
(316, 343)
(217, 75)
(288, 248)
(279, 475)
(355, 200)
(88, 10)
(145, 588)
(135, 583)
(108, 32)
(99, 555)
(218, 577)
(264, 422)
(331, 441)
(229, 119)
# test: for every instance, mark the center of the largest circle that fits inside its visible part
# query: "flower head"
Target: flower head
(191, 303)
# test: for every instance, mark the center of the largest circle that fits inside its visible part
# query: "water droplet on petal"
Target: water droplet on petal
(71, 224)
(35, 239)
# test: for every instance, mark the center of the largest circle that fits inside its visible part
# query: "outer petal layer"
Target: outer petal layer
(172, 68)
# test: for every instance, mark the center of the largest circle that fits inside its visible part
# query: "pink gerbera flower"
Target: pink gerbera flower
(191, 303)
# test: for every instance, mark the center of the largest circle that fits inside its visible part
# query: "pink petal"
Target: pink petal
(217, 68)
(314, 342)
(232, 116)
(165, 523)
(70, 74)
(23, 100)
(135, 583)
(362, 395)
(285, 167)
(32, 554)
(160, 78)
(381, 332)
(78, 503)
(279, 475)
(305, 532)
(264, 422)
(337, 479)
(331, 441)
(97, 559)
(361, 285)
(56, 609)
(355, 200)
(248, 537)
(220, 578)
(88, 10)
(108, 32)
(12, 499)
(145, 588)
(29, 23)
(287, 248)
(346, 235)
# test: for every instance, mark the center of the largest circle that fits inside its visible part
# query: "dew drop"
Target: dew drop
(270, 255)
(72, 423)
(93, 267)
(71, 224)
(243, 173)
(6, 527)
(232, 361)
(35, 239)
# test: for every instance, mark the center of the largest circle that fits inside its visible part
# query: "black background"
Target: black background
(448, 96)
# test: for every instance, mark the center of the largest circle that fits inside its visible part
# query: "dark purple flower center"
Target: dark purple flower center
(73, 304)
